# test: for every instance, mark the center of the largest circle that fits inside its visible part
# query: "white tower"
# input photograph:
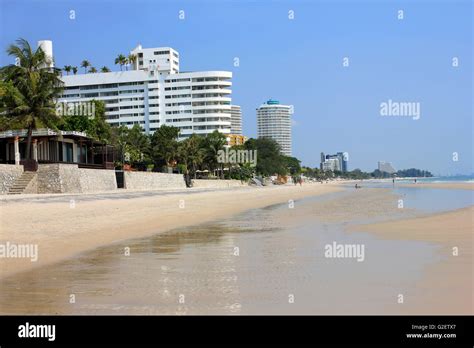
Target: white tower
(47, 47)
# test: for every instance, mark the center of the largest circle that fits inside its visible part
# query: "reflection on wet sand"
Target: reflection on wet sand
(253, 263)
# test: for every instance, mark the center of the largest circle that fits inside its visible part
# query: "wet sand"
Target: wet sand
(281, 255)
(62, 228)
(446, 286)
(441, 185)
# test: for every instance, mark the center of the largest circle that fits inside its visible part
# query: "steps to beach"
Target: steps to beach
(21, 183)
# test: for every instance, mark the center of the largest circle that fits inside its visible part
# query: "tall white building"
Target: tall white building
(274, 121)
(236, 120)
(153, 92)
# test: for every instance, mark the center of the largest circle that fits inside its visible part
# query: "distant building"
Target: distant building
(386, 167)
(235, 120)
(274, 121)
(331, 164)
(235, 139)
(334, 162)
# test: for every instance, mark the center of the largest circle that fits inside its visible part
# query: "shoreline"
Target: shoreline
(451, 277)
(440, 185)
(62, 231)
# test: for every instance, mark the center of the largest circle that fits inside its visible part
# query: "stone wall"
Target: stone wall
(153, 181)
(69, 178)
(8, 174)
(93, 180)
(205, 183)
(32, 186)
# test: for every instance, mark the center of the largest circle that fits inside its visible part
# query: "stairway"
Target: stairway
(21, 183)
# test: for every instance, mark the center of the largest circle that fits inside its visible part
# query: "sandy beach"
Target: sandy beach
(62, 228)
(450, 279)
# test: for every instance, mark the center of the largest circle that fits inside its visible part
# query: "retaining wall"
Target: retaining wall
(206, 183)
(8, 174)
(153, 181)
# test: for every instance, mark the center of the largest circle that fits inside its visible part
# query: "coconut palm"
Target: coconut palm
(85, 64)
(29, 90)
(121, 60)
(104, 69)
(132, 58)
(92, 70)
(191, 153)
(67, 69)
(74, 70)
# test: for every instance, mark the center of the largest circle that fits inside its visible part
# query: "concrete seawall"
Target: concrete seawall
(69, 178)
(153, 181)
(205, 183)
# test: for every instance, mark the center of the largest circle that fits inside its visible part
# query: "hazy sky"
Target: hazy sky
(297, 57)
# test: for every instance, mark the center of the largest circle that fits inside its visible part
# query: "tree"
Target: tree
(95, 127)
(121, 60)
(104, 69)
(74, 70)
(164, 145)
(85, 64)
(270, 161)
(137, 145)
(212, 144)
(191, 153)
(131, 59)
(29, 90)
(93, 70)
(292, 164)
(67, 69)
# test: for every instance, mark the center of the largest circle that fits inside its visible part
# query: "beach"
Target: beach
(446, 286)
(183, 243)
(65, 225)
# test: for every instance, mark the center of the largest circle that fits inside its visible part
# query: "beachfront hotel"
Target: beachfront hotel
(274, 121)
(236, 120)
(154, 92)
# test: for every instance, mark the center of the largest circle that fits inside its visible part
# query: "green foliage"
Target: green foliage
(164, 145)
(191, 153)
(29, 91)
(211, 145)
(96, 127)
(269, 159)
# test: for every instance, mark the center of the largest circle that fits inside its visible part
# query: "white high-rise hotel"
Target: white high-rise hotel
(153, 92)
(274, 121)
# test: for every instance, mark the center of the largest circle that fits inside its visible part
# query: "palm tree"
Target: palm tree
(132, 58)
(93, 70)
(104, 69)
(212, 144)
(85, 64)
(67, 69)
(30, 90)
(74, 70)
(191, 153)
(121, 60)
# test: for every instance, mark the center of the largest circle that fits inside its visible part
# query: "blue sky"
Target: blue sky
(299, 62)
